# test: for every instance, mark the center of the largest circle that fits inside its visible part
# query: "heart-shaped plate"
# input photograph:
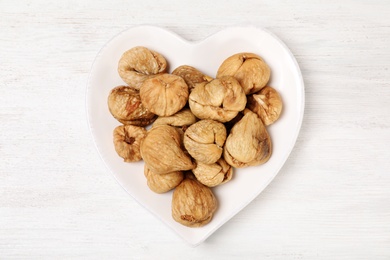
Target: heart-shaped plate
(206, 55)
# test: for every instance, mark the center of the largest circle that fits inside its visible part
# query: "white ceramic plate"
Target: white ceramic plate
(205, 55)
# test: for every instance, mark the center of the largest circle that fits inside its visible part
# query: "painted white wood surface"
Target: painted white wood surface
(331, 200)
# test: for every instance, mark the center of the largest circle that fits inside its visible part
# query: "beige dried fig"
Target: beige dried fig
(214, 174)
(193, 204)
(248, 143)
(221, 99)
(125, 105)
(248, 68)
(204, 140)
(161, 183)
(183, 118)
(267, 104)
(162, 150)
(191, 76)
(127, 142)
(164, 94)
(138, 64)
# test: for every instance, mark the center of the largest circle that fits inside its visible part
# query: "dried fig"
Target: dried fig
(161, 183)
(213, 174)
(164, 94)
(138, 64)
(162, 150)
(221, 99)
(193, 204)
(127, 142)
(183, 118)
(125, 105)
(267, 104)
(248, 142)
(248, 68)
(204, 140)
(191, 76)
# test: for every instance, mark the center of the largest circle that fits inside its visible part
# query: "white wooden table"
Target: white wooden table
(331, 200)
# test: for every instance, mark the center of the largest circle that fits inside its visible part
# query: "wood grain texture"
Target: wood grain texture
(331, 200)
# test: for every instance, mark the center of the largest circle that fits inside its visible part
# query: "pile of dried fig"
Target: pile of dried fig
(190, 129)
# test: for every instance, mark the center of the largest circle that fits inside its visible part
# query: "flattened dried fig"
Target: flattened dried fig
(204, 140)
(138, 64)
(248, 68)
(164, 94)
(248, 143)
(161, 183)
(191, 76)
(267, 104)
(182, 118)
(125, 105)
(213, 174)
(127, 142)
(162, 152)
(221, 99)
(193, 204)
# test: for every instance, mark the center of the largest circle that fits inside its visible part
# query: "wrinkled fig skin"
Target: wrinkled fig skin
(162, 150)
(127, 142)
(138, 64)
(191, 76)
(221, 99)
(161, 183)
(164, 94)
(267, 104)
(248, 68)
(183, 118)
(204, 140)
(125, 105)
(248, 143)
(193, 204)
(214, 174)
